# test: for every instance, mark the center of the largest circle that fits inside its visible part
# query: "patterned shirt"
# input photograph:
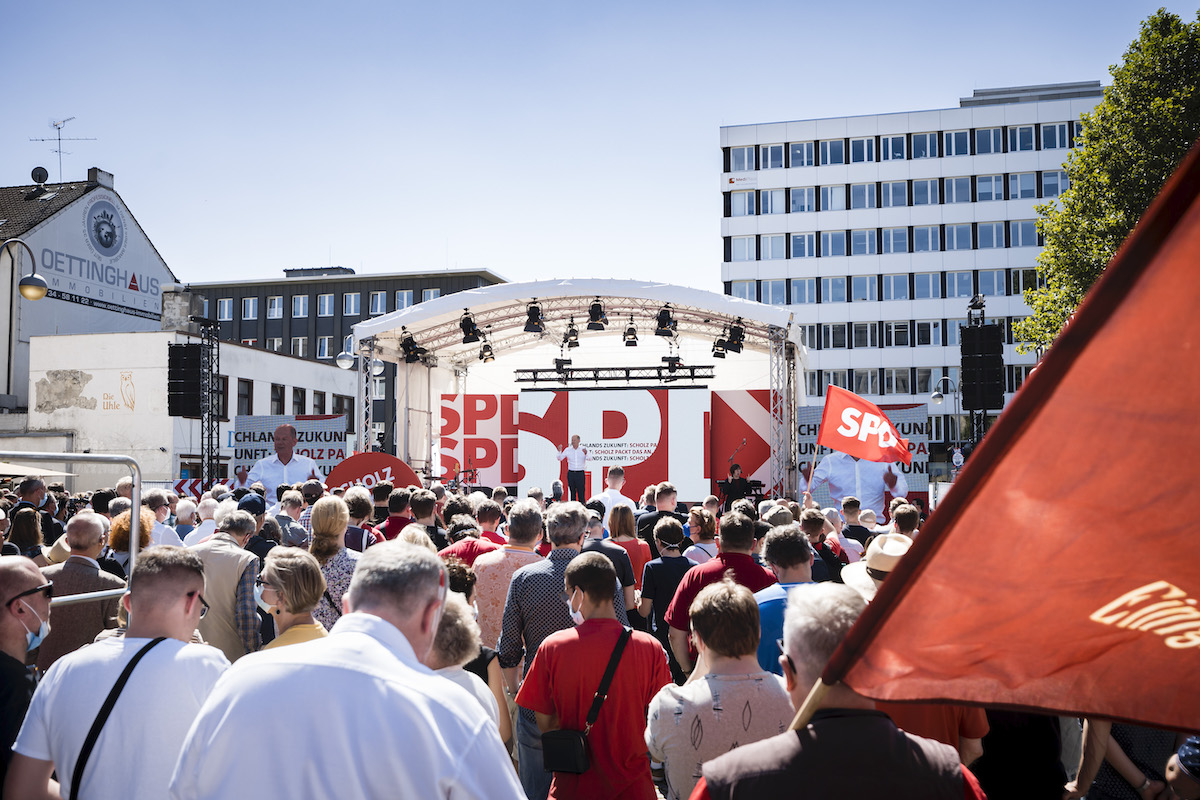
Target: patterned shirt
(305, 521)
(337, 571)
(245, 609)
(536, 607)
(493, 573)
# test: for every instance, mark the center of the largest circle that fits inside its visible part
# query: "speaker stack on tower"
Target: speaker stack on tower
(982, 368)
(185, 395)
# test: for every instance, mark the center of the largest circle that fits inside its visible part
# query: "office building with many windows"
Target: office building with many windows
(309, 313)
(879, 229)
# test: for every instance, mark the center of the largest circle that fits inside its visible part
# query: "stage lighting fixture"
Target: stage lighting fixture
(631, 334)
(561, 364)
(666, 325)
(597, 319)
(412, 351)
(672, 362)
(571, 337)
(719, 346)
(469, 329)
(534, 322)
(737, 337)
(486, 354)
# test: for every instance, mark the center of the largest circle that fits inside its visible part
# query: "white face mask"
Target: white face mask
(258, 598)
(576, 616)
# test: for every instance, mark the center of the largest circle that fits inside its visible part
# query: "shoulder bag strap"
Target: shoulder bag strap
(105, 710)
(606, 681)
(333, 605)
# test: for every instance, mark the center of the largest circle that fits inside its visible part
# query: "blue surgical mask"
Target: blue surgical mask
(258, 598)
(43, 501)
(32, 639)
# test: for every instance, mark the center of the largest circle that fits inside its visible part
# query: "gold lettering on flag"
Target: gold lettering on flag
(1158, 607)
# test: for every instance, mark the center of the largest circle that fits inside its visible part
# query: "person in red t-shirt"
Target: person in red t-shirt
(464, 532)
(489, 515)
(735, 539)
(566, 672)
(397, 515)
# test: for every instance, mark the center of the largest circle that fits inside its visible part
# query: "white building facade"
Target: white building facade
(879, 229)
(107, 393)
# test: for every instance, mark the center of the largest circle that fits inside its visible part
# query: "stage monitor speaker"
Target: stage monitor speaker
(982, 368)
(184, 397)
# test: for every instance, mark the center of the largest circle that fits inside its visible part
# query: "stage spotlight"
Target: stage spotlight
(469, 329)
(631, 334)
(597, 319)
(672, 362)
(561, 364)
(412, 351)
(719, 346)
(534, 322)
(571, 337)
(486, 354)
(737, 337)
(666, 325)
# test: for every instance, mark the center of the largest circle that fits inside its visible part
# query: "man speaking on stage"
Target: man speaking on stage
(575, 457)
(286, 466)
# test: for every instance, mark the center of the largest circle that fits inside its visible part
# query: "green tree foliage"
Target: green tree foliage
(1130, 144)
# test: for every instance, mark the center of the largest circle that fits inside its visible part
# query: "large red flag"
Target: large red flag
(1061, 570)
(859, 428)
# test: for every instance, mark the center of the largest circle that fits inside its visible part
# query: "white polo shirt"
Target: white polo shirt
(358, 691)
(272, 472)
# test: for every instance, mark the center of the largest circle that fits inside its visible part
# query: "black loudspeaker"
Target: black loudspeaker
(184, 397)
(983, 368)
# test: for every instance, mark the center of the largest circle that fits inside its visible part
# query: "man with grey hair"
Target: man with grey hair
(159, 504)
(206, 509)
(364, 691)
(536, 607)
(77, 625)
(826, 757)
(230, 570)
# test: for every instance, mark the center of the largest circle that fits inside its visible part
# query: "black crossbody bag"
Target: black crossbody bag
(567, 751)
(102, 717)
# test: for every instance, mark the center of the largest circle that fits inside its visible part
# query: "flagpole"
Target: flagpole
(811, 703)
(812, 469)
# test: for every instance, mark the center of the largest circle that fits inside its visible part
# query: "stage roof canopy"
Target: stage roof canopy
(500, 313)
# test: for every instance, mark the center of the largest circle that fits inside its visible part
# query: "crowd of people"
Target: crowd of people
(293, 641)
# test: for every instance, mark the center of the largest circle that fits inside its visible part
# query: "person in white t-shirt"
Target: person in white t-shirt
(612, 497)
(140, 741)
(576, 457)
(158, 502)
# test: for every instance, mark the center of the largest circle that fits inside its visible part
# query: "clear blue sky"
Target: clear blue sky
(539, 140)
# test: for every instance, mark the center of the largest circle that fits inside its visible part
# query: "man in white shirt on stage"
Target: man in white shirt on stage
(612, 497)
(867, 480)
(576, 456)
(286, 466)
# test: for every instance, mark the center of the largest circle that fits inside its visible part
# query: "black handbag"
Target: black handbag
(567, 751)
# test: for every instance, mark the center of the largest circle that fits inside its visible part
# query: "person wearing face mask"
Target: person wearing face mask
(24, 622)
(168, 679)
(288, 590)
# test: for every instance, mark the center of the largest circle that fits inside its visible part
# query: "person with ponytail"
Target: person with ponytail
(330, 517)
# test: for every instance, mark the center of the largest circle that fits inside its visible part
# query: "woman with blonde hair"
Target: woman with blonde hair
(330, 516)
(118, 539)
(289, 588)
(415, 534)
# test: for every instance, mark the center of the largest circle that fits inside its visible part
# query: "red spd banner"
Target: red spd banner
(479, 432)
(859, 428)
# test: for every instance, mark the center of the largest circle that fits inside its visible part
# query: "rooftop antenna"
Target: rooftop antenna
(58, 126)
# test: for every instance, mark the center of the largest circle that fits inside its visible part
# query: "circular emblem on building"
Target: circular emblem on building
(105, 228)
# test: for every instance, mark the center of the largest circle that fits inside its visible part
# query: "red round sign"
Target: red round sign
(369, 469)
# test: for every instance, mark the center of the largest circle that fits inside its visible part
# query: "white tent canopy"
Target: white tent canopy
(499, 311)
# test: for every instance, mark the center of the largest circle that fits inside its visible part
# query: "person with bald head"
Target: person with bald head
(76, 625)
(286, 466)
(26, 598)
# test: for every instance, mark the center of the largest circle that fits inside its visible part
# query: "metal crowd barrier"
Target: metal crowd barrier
(135, 517)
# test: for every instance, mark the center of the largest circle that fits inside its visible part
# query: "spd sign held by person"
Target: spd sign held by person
(859, 428)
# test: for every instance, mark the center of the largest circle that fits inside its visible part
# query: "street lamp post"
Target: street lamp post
(31, 287)
(937, 397)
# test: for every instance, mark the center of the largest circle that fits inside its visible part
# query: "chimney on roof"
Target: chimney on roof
(100, 177)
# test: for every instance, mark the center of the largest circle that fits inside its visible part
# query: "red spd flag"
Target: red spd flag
(1041, 581)
(859, 428)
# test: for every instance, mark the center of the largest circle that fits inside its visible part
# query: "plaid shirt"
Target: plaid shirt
(245, 609)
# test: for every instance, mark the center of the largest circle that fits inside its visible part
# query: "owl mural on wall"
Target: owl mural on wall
(127, 391)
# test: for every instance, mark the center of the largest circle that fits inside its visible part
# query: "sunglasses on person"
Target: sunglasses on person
(46, 589)
(784, 653)
(263, 583)
(203, 604)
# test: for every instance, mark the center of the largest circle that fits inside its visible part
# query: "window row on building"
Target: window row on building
(902, 146)
(902, 380)
(326, 346)
(891, 286)
(326, 305)
(279, 404)
(873, 241)
(892, 333)
(896, 194)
